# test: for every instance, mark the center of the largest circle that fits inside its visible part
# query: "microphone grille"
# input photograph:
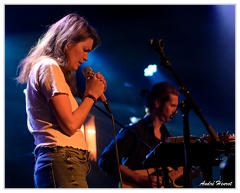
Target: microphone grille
(88, 72)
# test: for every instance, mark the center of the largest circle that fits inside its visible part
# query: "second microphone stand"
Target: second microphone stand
(185, 107)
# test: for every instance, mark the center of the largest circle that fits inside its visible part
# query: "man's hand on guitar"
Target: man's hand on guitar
(140, 178)
(145, 181)
(154, 181)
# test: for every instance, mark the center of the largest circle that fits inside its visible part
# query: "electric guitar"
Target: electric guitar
(175, 177)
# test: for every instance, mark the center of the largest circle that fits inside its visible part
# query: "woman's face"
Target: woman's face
(78, 53)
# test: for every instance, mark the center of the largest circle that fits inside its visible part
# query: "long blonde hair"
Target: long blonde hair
(70, 29)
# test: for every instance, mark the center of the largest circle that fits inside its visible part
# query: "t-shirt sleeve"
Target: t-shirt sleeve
(51, 80)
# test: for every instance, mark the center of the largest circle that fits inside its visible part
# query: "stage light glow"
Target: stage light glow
(150, 70)
(89, 131)
(134, 119)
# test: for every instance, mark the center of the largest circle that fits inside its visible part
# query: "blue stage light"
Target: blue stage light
(150, 70)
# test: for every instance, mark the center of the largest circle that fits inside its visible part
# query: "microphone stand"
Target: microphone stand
(185, 107)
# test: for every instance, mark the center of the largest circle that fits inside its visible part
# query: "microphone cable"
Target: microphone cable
(116, 146)
(107, 106)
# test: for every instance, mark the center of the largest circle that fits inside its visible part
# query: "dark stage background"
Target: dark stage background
(199, 42)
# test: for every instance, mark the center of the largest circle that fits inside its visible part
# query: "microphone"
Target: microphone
(172, 115)
(179, 106)
(88, 73)
(157, 44)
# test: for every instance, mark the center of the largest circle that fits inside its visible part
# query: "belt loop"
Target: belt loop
(86, 155)
(58, 148)
(55, 149)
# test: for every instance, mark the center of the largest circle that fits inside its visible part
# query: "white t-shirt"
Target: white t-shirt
(46, 80)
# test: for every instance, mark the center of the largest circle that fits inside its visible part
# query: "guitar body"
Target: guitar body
(175, 177)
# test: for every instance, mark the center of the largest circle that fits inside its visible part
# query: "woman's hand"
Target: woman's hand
(96, 85)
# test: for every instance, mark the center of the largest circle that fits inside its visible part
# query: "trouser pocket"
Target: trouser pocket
(44, 177)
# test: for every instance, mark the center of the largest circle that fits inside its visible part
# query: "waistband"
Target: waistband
(45, 149)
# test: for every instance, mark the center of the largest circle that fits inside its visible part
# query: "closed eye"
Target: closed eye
(86, 50)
